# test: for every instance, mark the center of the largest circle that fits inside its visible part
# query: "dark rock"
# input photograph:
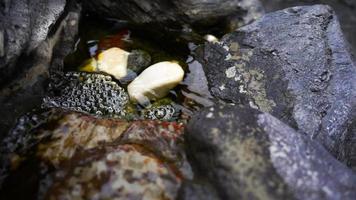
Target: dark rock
(191, 190)
(294, 64)
(247, 154)
(24, 26)
(345, 10)
(43, 43)
(176, 12)
(138, 60)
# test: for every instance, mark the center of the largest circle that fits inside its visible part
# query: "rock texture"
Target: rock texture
(37, 36)
(294, 64)
(177, 12)
(345, 10)
(248, 154)
(73, 155)
(24, 25)
(87, 92)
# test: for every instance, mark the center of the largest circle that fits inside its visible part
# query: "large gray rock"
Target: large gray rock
(294, 64)
(179, 12)
(345, 10)
(24, 25)
(247, 154)
(36, 42)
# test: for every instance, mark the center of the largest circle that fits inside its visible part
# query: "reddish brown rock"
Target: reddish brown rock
(123, 172)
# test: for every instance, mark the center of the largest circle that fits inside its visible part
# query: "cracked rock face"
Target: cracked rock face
(294, 64)
(248, 154)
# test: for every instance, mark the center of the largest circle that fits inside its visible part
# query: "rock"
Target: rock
(247, 154)
(138, 60)
(191, 190)
(165, 113)
(345, 10)
(24, 26)
(77, 132)
(130, 173)
(90, 93)
(155, 82)
(176, 12)
(294, 64)
(211, 38)
(31, 53)
(114, 62)
(118, 62)
(69, 150)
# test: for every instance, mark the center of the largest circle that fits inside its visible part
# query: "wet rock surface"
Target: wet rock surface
(294, 64)
(247, 154)
(76, 155)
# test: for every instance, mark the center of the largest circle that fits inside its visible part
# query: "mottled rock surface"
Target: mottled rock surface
(247, 154)
(87, 92)
(294, 64)
(69, 155)
(124, 172)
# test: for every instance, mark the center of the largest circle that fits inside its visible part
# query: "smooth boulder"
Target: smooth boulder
(155, 82)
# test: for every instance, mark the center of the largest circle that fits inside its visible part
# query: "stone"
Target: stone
(345, 10)
(36, 40)
(125, 172)
(24, 26)
(248, 154)
(177, 12)
(138, 60)
(294, 64)
(164, 113)
(114, 62)
(62, 150)
(155, 82)
(87, 92)
(118, 63)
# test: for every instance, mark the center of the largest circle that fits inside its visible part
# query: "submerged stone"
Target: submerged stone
(155, 82)
(114, 62)
(86, 92)
(165, 113)
(138, 60)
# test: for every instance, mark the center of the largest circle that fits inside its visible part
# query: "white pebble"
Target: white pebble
(155, 82)
(114, 62)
